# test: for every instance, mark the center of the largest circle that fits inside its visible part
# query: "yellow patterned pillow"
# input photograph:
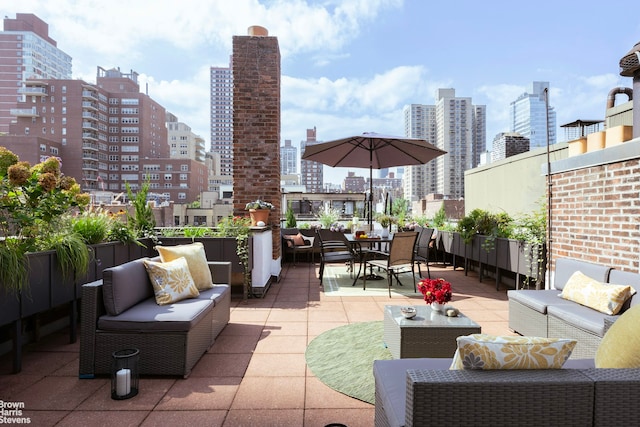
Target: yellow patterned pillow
(482, 351)
(605, 298)
(171, 280)
(196, 258)
(620, 346)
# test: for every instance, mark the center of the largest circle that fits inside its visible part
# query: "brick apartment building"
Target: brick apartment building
(107, 134)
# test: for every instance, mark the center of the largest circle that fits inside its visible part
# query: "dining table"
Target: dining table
(372, 245)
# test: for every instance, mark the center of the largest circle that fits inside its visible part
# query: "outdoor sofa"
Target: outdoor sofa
(120, 312)
(543, 313)
(421, 392)
(297, 241)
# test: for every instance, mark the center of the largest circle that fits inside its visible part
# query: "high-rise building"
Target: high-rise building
(311, 173)
(222, 116)
(419, 122)
(27, 53)
(461, 132)
(529, 113)
(455, 125)
(288, 158)
(107, 134)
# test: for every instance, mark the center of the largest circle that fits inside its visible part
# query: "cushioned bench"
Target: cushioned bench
(120, 311)
(544, 313)
(420, 392)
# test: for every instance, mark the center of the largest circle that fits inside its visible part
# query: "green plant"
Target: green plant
(400, 210)
(531, 230)
(72, 253)
(92, 225)
(123, 233)
(238, 227)
(291, 217)
(258, 204)
(32, 200)
(328, 216)
(143, 222)
(384, 220)
(194, 232)
(440, 217)
(13, 274)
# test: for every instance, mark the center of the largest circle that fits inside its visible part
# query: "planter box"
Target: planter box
(507, 251)
(9, 307)
(216, 248)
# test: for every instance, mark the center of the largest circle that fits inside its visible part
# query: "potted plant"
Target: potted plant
(385, 221)
(32, 201)
(328, 217)
(259, 212)
(238, 227)
(291, 217)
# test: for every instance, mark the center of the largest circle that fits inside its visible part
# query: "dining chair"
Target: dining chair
(400, 259)
(423, 248)
(335, 248)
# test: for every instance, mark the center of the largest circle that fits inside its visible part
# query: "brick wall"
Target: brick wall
(256, 127)
(595, 213)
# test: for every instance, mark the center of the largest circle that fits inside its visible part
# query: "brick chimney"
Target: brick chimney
(256, 125)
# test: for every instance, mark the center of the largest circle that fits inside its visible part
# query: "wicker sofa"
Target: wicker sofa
(542, 313)
(171, 338)
(420, 392)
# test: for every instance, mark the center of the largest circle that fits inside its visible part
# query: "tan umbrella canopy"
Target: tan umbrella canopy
(374, 151)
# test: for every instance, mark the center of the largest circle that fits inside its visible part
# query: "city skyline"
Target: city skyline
(350, 67)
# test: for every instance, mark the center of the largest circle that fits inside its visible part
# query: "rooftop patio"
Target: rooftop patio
(254, 374)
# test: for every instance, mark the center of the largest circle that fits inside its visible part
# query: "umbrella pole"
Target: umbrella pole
(371, 189)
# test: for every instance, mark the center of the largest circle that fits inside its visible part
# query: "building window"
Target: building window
(43, 147)
(182, 196)
(184, 168)
(167, 177)
(183, 177)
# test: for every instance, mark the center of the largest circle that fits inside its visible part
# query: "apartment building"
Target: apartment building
(455, 125)
(311, 173)
(221, 113)
(26, 53)
(507, 144)
(107, 134)
(288, 158)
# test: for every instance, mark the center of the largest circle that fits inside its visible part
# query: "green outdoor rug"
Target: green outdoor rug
(342, 358)
(337, 282)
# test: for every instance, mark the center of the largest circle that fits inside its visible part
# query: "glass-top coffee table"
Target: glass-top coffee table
(428, 334)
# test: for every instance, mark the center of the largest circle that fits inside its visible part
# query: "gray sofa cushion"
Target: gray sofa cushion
(148, 316)
(391, 383)
(618, 277)
(214, 294)
(565, 267)
(581, 317)
(537, 300)
(125, 285)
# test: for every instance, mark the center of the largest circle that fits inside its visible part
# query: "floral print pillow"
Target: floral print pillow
(482, 351)
(171, 280)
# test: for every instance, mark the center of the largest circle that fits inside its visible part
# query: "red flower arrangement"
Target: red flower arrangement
(435, 290)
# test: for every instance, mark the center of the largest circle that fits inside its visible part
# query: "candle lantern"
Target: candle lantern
(124, 374)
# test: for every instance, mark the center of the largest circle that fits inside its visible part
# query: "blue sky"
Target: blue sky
(350, 66)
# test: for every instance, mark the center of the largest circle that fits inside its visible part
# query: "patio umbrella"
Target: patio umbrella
(374, 151)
